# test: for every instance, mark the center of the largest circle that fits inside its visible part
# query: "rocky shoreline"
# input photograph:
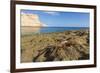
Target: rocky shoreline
(57, 46)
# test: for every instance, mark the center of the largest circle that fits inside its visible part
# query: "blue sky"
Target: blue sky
(61, 19)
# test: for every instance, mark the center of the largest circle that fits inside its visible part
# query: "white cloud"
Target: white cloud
(44, 25)
(52, 13)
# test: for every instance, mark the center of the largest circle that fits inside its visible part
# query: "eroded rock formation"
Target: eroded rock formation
(30, 23)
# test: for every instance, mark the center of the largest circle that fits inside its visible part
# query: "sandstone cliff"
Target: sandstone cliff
(30, 22)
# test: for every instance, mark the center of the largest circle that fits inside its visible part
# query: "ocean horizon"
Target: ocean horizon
(60, 29)
(26, 30)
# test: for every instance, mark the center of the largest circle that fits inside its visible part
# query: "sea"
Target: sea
(30, 30)
(60, 29)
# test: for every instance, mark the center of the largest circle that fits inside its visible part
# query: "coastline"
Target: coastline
(42, 30)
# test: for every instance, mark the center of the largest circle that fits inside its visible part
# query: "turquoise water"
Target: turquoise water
(59, 29)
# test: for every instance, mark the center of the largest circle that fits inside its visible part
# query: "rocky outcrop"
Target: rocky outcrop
(58, 46)
(71, 48)
(66, 50)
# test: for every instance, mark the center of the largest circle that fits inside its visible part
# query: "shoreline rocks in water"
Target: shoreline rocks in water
(57, 46)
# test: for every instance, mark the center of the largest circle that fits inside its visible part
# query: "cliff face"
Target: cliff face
(30, 20)
(30, 23)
